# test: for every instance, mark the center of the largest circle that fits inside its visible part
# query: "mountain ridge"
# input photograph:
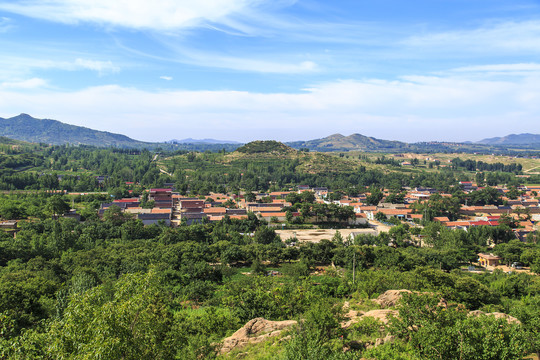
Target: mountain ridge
(512, 139)
(201, 141)
(27, 128)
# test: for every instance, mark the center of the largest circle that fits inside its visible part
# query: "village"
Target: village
(166, 207)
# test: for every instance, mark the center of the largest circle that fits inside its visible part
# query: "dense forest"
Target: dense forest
(111, 288)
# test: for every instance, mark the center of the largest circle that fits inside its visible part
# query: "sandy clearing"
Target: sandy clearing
(316, 235)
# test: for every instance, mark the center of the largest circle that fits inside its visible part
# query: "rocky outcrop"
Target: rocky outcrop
(255, 331)
(390, 298)
(498, 315)
(352, 317)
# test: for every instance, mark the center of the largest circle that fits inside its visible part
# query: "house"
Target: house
(279, 216)
(397, 213)
(463, 225)
(127, 202)
(489, 260)
(72, 214)
(162, 198)
(441, 219)
(236, 212)
(194, 218)
(215, 211)
(467, 185)
(155, 218)
(192, 205)
(10, 227)
(9, 224)
(359, 219)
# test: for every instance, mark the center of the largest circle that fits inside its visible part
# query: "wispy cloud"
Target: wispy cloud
(137, 14)
(168, 78)
(501, 68)
(247, 63)
(5, 24)
(18, 65)
(180, 53)
(502, 38)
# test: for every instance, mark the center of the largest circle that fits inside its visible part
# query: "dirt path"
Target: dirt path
(528, 170)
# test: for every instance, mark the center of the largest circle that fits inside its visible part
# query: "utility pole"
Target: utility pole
(354, 266)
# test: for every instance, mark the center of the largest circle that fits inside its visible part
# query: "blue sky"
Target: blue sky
(242, 70)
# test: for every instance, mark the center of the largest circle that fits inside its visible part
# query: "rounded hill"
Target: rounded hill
(266, 146)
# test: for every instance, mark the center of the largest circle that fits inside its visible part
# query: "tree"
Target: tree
(375, 196)
(528, 312)
(379, 216)
(130, 320)
(57, 206)
(115, 216)
(264, 235)
(250, 196)
(435, 331)
(307, 197)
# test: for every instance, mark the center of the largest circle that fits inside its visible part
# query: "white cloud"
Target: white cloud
(412, 108)
(28, 84)
(139, 14)
(168, 78)
(94, 65)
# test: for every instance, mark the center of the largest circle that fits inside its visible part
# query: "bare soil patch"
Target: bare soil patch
(316, 235)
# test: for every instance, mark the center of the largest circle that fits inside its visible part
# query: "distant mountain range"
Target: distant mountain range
(513, 139)
(202, 141)
(26, 128)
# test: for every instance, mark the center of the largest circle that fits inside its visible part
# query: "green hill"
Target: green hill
(26, 128)
(338, 142)
(267, 146)
(7, 141)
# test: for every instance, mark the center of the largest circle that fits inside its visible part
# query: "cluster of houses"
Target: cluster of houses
(167, 207)
(171, 208)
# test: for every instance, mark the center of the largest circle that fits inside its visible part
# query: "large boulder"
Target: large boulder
(390, 298)
(255, 331)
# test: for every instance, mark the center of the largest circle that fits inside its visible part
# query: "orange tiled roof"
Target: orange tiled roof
(276, 214)
(161, 211)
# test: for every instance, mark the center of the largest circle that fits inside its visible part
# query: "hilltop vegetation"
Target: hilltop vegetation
(338, 142)
(265, 147)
